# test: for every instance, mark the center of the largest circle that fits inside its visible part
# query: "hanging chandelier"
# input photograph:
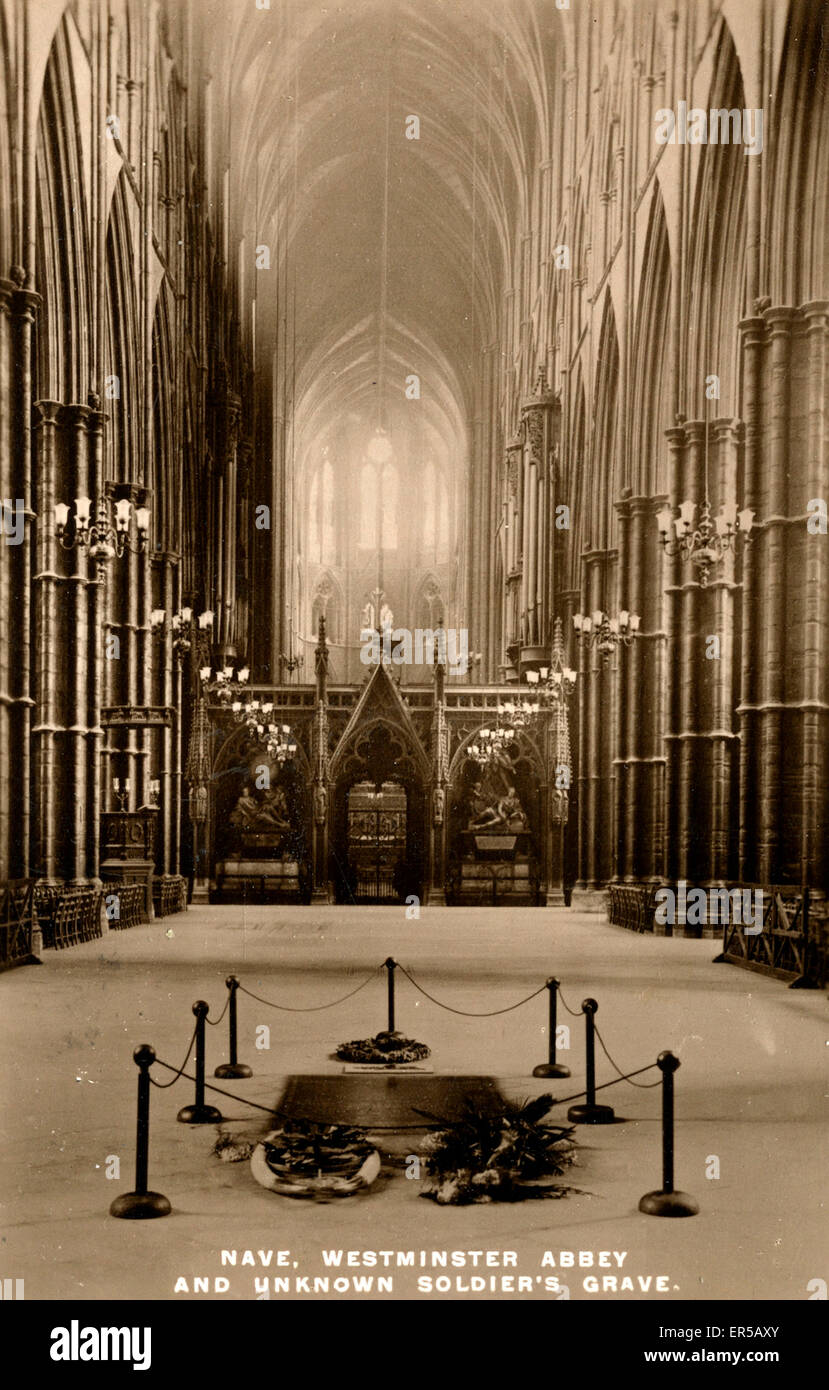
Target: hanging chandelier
(277, 738)
(519, 714)
(490, 745)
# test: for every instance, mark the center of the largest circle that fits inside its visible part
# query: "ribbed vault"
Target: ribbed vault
(388, 255)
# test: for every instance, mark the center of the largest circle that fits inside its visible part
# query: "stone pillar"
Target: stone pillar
(595, 744)
(17, 314)
(784, 695)
(46, 581)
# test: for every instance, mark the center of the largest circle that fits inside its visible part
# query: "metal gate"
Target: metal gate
(376, 840)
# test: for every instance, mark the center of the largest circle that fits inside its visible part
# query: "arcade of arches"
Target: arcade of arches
(408, 324)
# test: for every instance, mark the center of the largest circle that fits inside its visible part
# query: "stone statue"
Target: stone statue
(271, 813)
(439, 801)
(504, 814)
(320, 804)
(246, 810)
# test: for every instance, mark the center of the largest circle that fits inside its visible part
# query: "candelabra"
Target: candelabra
(291, 663)
(121, 787)
(706, 543)
(183, 627)
(255, 715)
(519, 714)
(102, 537)
(226, 683)
(605, 633)
(553, 685)
(281, 744)
(490, 746)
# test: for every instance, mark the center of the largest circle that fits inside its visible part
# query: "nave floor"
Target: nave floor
(750, 1092)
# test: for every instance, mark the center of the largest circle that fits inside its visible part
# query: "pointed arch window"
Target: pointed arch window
(379, 502)
(322, 541)
(435, 511)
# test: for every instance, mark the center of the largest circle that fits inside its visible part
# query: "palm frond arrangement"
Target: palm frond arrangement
(384, 1048)
(501, 1156)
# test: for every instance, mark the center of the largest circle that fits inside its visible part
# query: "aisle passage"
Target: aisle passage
(749, 1103)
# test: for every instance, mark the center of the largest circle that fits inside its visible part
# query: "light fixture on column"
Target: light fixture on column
(553, 685)
(706, 543)
(183, 627)
(107, 535)
(519, 714)
(599, 630)
(291, 663)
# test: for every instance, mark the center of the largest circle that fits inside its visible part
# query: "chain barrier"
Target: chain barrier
(315, 1008)
(165, 1085)
(574, 1013)
(642, 1085)
(214, 1022)
(466, 1013)
(256, 1106)
(614, 1082)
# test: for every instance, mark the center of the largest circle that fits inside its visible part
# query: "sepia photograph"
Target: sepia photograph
(414, 676)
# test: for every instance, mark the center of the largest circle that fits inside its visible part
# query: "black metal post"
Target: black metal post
(590, 1113)
(391, 966)
(142, 1204)
(198, 1113)
(232, 1068)
(551, 1067)
(668, 1202)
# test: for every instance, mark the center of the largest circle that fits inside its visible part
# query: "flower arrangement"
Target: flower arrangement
(230, 1148)
(505, 1156)
(307, 1159)
(385, 1049)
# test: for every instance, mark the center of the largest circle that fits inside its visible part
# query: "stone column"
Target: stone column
(17, 314)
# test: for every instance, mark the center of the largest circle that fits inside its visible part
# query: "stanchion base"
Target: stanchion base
(550, 1069)
(668, 1204)
(199, 1115)
(140, 1206)
(233, 1071)
(591, 1115)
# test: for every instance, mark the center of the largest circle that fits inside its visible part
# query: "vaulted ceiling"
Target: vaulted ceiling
(389, 255)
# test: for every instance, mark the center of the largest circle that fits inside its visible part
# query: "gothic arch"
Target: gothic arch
(716, 262)
(529, 751)
(8, 127)
(62, 235)
(123, 409)
(798, 161)
(162, 462)
(645, 462)
(328, 602)
(602, 475)
(577, 482)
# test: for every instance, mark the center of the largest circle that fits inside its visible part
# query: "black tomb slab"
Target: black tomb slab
(386, 1101)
